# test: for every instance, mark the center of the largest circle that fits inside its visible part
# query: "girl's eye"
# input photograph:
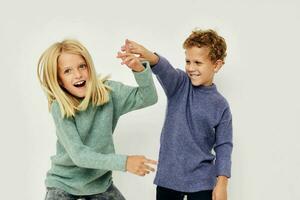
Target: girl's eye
(198, 63)
(82, 66)
(187, 62)
(67, 71)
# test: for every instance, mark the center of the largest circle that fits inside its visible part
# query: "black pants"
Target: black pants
(168, 194)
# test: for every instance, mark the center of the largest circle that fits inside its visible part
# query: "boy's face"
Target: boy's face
(73, 74)
(199, 66)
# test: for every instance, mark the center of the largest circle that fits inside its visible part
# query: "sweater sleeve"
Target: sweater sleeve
(127, 98)
(82, 155)
(223, 146)
(169, 77)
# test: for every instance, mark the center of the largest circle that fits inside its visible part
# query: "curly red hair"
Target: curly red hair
(207, 38)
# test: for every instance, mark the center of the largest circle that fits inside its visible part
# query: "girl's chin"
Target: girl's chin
(79, 96)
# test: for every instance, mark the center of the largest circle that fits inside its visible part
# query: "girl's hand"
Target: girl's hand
(131, 61)
(144, 54)
(139, 165)
(220, 190)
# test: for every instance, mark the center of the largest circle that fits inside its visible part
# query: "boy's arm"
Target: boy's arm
(223, 149)
(169, 78)
(223, 146)
(220, 190)
(80, 154)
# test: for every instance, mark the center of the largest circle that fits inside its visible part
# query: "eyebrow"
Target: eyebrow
(67, 67)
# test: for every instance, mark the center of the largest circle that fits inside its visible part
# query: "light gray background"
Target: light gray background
(260, 80)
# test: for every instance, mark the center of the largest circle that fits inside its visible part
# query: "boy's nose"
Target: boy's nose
(191, 67)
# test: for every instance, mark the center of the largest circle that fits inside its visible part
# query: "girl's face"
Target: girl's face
(73, 74)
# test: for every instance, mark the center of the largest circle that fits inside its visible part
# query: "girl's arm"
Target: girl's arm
(128, 98)
(80, 154)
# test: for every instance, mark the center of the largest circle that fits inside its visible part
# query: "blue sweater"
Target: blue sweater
(198, 121)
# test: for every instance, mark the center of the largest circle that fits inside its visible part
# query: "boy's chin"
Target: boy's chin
(201, 83)
(196, 83)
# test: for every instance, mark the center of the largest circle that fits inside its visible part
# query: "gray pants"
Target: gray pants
(112, 193)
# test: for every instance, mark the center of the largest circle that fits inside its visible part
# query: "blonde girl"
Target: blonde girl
(86, 110)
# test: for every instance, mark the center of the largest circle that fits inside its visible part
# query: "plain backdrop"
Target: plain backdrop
(260, 80)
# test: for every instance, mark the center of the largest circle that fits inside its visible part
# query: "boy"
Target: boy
(198, 120)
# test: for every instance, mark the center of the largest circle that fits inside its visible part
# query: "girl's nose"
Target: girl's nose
(77, 74)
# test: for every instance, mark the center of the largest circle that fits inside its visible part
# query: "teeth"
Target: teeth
(79, 83)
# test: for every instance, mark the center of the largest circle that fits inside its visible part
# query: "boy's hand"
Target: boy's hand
(220, 190)
(131, 61)
(139, 165)
(144, 54)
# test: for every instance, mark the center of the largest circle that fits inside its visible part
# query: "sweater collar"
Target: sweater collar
(211, 88)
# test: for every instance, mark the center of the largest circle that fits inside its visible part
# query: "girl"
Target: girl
(85, 110)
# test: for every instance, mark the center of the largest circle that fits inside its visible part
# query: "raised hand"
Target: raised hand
(131, 60)
(143, 53)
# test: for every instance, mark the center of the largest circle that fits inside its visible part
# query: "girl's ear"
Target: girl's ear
(218, 65)
(60, 82)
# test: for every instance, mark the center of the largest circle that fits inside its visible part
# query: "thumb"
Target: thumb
(214, 195)
(141, 59)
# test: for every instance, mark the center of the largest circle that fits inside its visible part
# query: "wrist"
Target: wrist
(153, 59)
(222, 181)
(139, 69)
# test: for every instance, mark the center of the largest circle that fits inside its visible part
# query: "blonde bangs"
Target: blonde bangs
(96, 91)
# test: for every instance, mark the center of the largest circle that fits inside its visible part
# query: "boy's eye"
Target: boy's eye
(187, 62)
(198, 63)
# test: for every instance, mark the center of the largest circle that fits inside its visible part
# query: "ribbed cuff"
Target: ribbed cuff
(120, 162)
(144, 78)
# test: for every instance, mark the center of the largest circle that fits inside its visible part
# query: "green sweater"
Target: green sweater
(85, 153)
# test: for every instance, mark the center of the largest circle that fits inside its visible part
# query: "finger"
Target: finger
(142, 173)
(123, 48)
(141, 59)
(213, 195)
(131, 43)
(133, 62)
(149, 168)
(122, 54)
(154, 162)
(127, 46)
(126, 59)
(130, 60)
(132, 46)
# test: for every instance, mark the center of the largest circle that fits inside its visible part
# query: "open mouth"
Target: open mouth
(80, 84)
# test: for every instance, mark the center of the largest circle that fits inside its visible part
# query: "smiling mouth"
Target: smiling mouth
(80, 84)
(194, 75)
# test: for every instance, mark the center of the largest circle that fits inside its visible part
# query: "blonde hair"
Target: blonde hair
(47, 72)
(207, 38)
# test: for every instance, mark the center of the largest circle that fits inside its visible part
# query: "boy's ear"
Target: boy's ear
(218, 65)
